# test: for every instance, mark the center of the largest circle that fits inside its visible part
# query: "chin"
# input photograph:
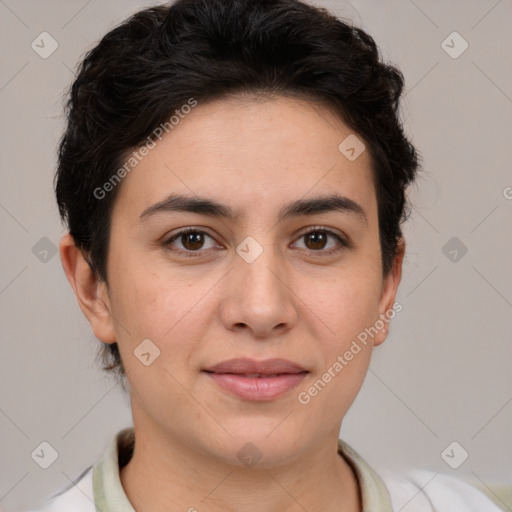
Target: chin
(253, 446)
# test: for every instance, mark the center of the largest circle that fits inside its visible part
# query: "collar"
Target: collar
(109, 495)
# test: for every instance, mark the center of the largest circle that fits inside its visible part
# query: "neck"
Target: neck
(165, 475)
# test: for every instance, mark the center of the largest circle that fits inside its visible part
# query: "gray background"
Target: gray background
(444, 373)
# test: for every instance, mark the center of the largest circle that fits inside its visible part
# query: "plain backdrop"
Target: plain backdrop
(445, 372)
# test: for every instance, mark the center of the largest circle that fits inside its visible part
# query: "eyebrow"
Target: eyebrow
(206, 206)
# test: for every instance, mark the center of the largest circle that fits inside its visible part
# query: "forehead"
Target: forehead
(247, 153)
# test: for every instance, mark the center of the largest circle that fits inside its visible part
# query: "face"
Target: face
(264, 282)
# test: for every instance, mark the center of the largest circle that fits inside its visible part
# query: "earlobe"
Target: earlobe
(389, 290)
(90, 291)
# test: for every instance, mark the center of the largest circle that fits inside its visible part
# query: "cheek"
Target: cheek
(348, 308)
(166, 313)
(347, 304)
(149, 304)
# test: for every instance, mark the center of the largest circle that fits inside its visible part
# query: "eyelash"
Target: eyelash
(343, 244)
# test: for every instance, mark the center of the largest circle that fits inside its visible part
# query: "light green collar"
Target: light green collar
(109, 495)
(374, 495)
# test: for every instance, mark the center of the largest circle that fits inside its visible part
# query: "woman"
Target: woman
(233, 178)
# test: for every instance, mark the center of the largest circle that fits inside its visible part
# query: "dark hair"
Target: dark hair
(152, 64)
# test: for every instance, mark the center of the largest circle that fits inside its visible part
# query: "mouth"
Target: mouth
(255, 375)
(256, 380)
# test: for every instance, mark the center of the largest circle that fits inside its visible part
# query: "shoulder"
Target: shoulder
(78, 497)
(427, 491)
(414, 490)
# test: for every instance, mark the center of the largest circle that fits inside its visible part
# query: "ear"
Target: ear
(389, 289)
(91, 292)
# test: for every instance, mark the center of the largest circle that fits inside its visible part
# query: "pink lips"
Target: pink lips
(256, 380)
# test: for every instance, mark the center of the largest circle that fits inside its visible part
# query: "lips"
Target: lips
(250, 367)
(256, 380)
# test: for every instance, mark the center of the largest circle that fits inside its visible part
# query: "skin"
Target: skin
(291, 302)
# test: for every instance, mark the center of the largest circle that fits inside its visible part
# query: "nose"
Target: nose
(257, 296)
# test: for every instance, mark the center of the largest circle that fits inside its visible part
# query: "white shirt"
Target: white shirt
(418, 491)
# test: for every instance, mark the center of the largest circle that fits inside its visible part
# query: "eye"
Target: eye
(191, 239)
(316, 240)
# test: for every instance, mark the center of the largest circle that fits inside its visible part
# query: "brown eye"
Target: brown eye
(191, 240)
(317, 240)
